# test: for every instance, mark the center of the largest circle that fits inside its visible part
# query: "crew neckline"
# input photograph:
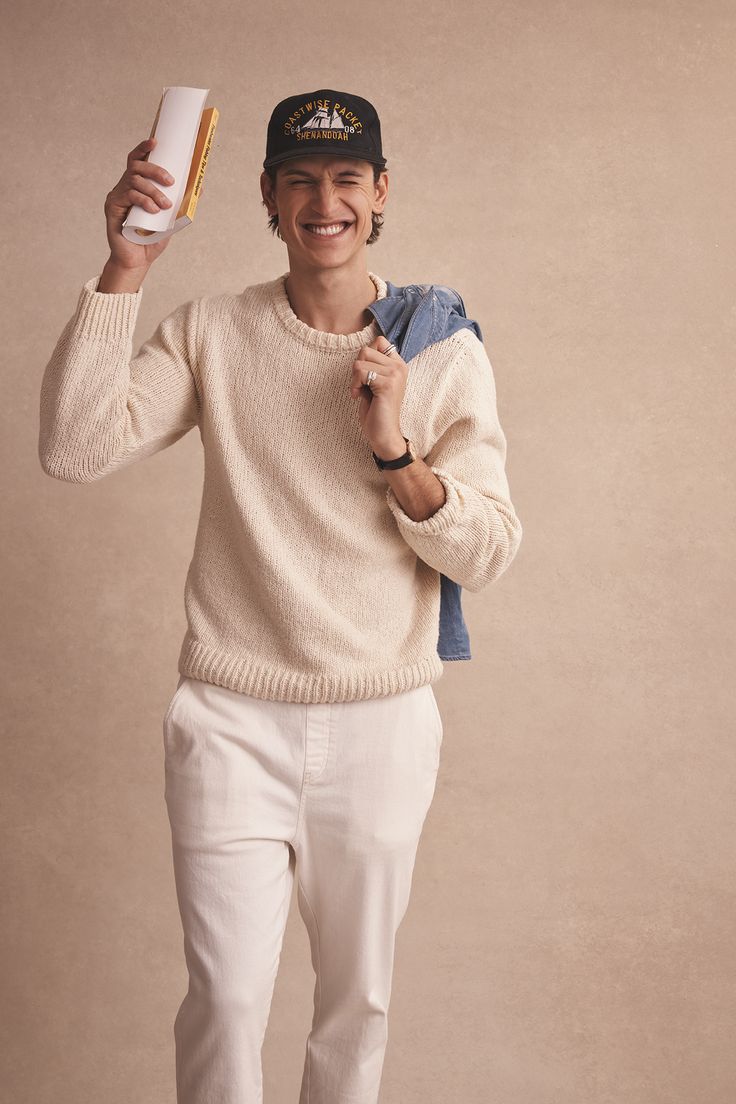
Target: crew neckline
(322, 338)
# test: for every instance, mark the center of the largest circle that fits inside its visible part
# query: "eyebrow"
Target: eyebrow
(303, 172)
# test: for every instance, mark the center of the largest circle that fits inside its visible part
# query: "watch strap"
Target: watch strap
(400, 461)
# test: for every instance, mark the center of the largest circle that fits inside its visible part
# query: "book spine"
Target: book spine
(200, 158)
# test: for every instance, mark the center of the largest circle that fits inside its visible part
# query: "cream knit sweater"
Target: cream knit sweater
(308, 581)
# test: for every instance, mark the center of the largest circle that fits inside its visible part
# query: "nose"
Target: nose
(325, 199)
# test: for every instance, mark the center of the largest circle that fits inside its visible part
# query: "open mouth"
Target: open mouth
(327, 230)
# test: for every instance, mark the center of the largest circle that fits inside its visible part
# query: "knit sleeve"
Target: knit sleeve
(475, 534)
(101, 410)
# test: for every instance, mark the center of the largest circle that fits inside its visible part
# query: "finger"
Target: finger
(360, 377)
(377, 356)
(379, 344)
(142, 149)
(387, 347)
(152, 201)
(361, 368)
(144, 184)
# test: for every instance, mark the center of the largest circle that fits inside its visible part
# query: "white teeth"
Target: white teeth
(334, 228)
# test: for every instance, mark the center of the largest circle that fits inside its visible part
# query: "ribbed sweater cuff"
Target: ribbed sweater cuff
(448, 514)
(107, 316)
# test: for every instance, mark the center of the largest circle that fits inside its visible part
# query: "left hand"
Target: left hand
(380, 404)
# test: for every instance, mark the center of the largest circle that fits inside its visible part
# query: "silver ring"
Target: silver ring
(390, 349)
(370, 378)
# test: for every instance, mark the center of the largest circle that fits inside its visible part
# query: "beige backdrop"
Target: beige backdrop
(569, 167)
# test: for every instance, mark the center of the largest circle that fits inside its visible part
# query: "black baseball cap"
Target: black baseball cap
(324, 121)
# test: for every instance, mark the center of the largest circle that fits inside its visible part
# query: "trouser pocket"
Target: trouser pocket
(170, 709)
(438, 727)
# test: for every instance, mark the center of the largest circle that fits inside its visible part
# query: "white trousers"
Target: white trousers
(256, 790)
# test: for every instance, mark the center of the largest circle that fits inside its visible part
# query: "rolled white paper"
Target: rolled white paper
(175, 128)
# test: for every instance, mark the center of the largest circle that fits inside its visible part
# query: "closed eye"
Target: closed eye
(293, 182)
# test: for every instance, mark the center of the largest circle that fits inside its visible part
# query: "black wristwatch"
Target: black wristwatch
(401, 461)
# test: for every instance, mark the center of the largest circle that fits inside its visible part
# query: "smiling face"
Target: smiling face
(325, 206)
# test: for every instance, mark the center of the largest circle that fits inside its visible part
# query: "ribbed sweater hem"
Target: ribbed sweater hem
(260, 680)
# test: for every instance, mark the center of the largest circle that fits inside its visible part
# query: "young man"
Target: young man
(304, 737)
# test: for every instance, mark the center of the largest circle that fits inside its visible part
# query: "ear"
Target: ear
(267, 191)
(381, 193)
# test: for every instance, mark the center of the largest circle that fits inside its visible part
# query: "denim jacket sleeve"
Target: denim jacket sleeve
(475, 534)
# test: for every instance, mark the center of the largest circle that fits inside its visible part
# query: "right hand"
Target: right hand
(137, 185)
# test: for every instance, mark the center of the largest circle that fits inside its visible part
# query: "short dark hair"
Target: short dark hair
(377, 220)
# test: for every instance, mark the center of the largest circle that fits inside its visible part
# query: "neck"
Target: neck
(333, 300)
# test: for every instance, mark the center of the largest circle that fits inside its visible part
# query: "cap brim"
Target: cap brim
(316, 148)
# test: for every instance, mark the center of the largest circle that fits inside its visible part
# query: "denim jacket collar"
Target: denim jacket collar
(413, 317)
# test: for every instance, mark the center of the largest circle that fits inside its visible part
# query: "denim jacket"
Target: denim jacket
(414, 317)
